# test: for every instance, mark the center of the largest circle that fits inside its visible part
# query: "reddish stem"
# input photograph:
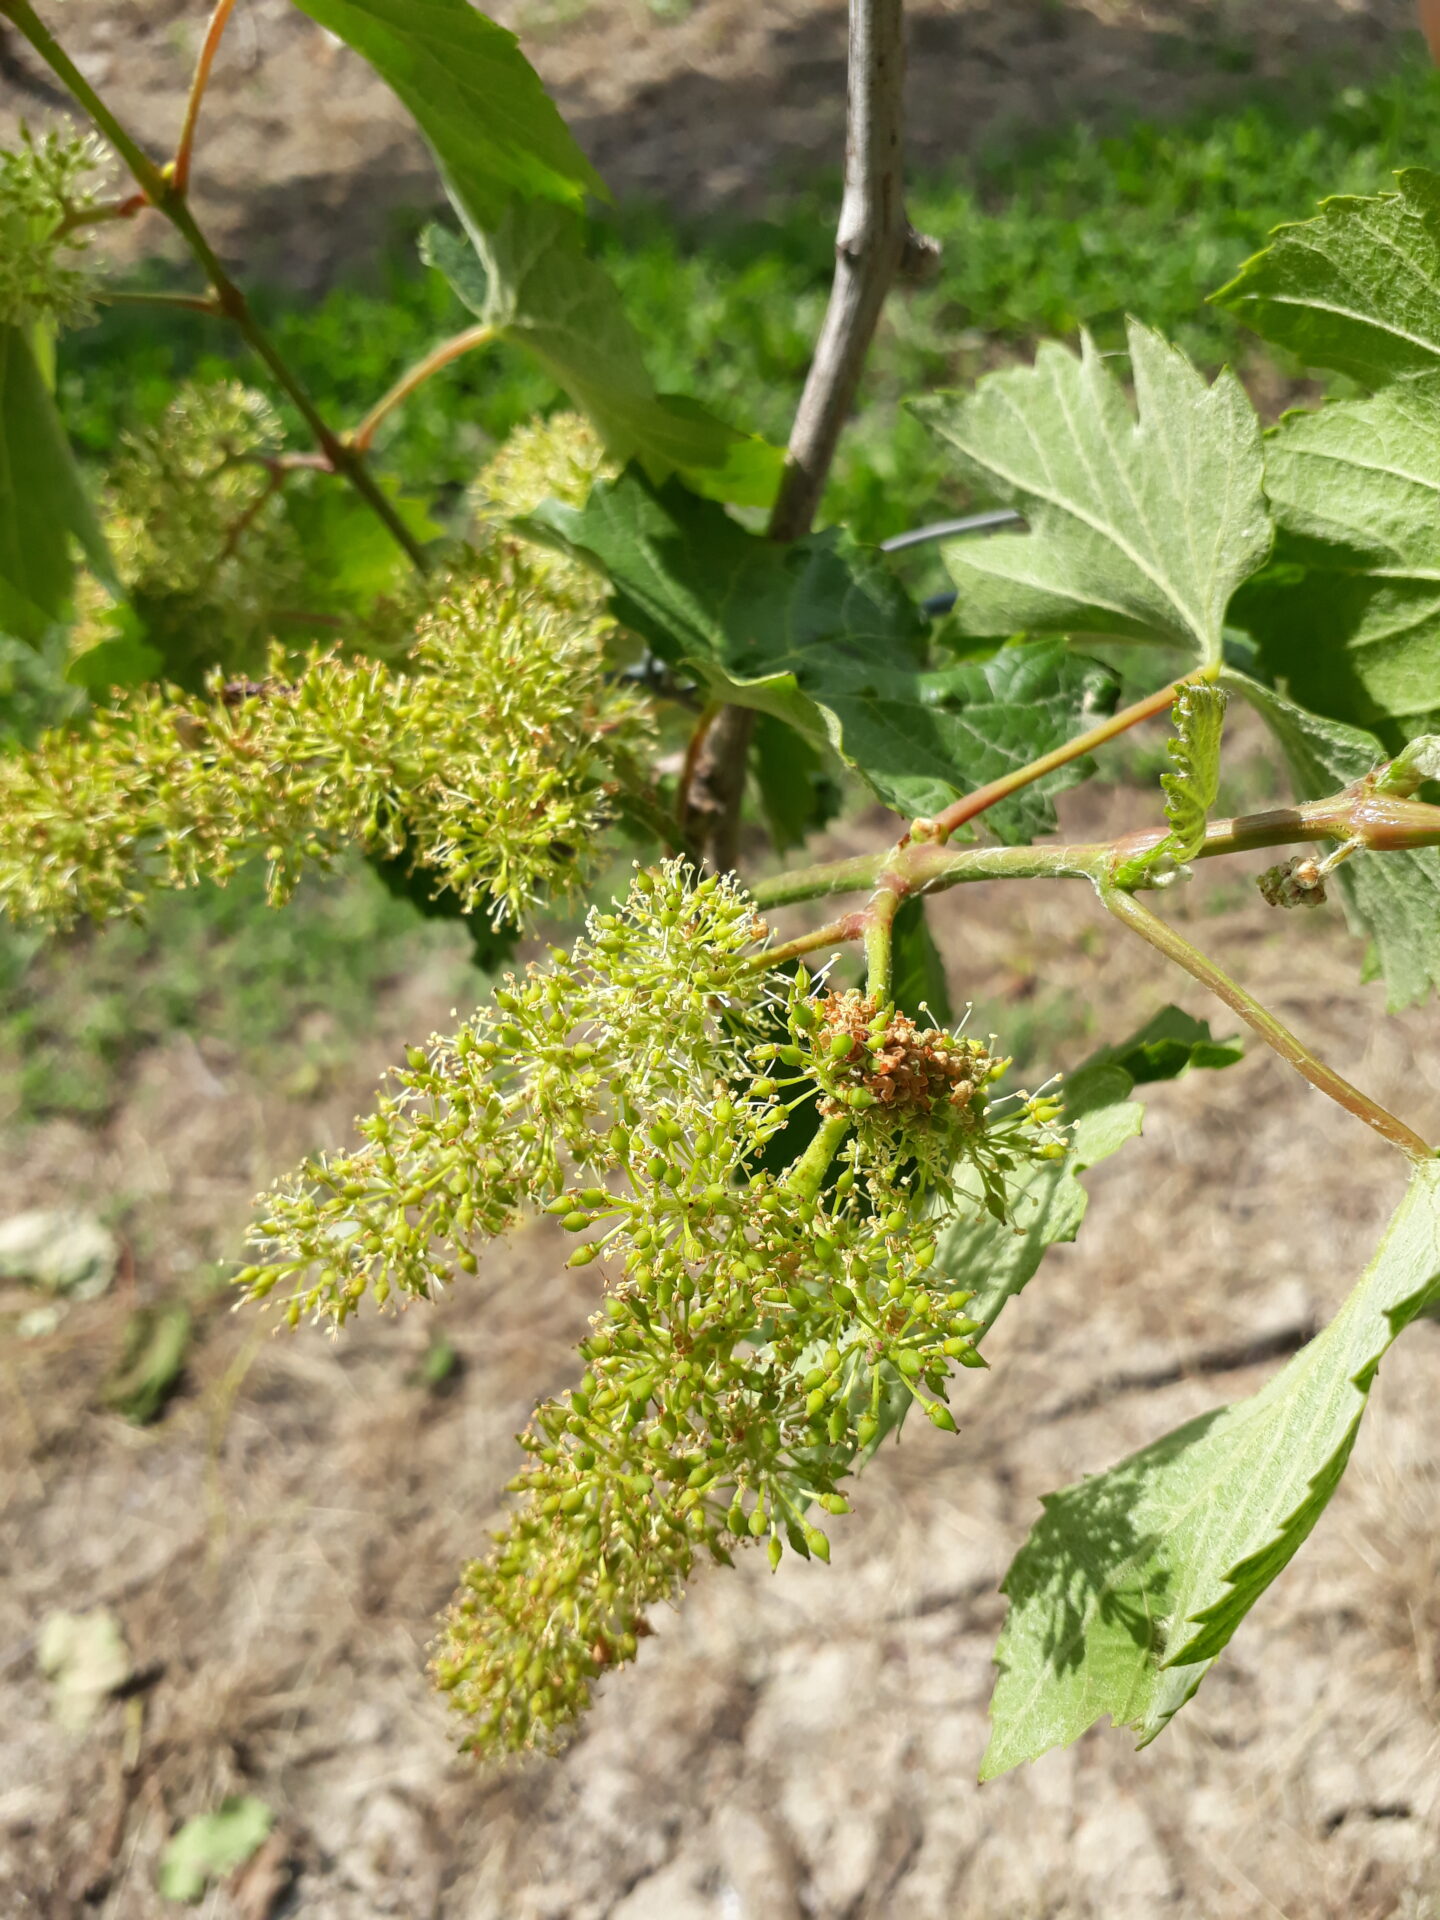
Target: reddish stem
(185, 151)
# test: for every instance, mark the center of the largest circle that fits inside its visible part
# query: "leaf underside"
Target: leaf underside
(43, 506)
(1354, 288)
(819, 634)
(1392, 899)
(1349, 617)
(1133, 1581)
(526, 273)
(1142, 527)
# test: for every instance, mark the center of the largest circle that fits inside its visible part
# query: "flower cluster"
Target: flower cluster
(48, 189)
(496, 759)
(761, 1329)
(559, 458)
(887, 1073)
(198, 529)
(551, 1080)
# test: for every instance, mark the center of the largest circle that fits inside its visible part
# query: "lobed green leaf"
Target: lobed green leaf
(819, 634)
(1354, 288)
(1392, 898)
(1349, 617)
(1134, 1581)
(491, 125)
(1142, 527)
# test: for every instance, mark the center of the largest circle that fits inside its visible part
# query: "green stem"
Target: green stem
(163, 194)
(1138, 917)
(806, 1175)
(848, 927)
(1379, 822)
(879, 919)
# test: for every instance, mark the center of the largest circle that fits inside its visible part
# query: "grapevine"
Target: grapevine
(802, 1189)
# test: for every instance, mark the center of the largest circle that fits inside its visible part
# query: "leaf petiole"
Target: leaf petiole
(1161, 935)
(185, 149)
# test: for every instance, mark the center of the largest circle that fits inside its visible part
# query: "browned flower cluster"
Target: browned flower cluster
(903, 1066)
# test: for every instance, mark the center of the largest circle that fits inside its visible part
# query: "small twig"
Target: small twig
(137, 297)
(363, 436)
(185, 150)
(849, 926)
(1137, 916)
(101, 214)
(972, 804)
(274, 481)
(870, 245)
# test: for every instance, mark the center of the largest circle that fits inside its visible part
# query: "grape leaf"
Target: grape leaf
(492, 127)
(1393, 898)
(918, 983)
(1167, 1045)
(527, 275)
(1133, 1581)
(820, 634)
(43, 505)
(1198, 716)
(999, 1258)
(1349, 617)
(798, 788)
(1138, 527)
(1354, 288)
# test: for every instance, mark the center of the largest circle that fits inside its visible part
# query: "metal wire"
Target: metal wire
(989, 522)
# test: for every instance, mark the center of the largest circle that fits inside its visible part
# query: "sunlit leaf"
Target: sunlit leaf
(1138, 526)
(1349, 617)
(528, 276)
(820, 634)
(1134, 1581)
(491, 125)
(213, 1845)
(1354, 288)
(1198, 717)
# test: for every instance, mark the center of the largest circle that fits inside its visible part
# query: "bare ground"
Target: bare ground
(802, 1745)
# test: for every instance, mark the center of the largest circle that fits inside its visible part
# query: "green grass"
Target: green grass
(1073, 229)
(218, 963)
